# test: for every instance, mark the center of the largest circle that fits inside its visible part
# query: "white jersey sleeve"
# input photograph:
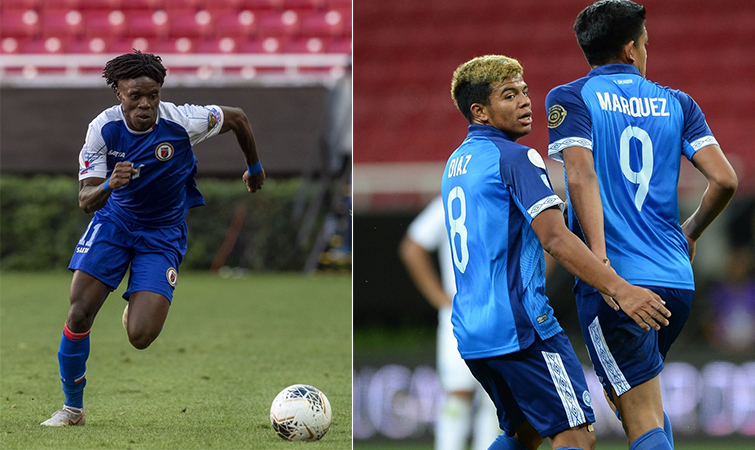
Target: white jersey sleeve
(93, 155)
(200, 122)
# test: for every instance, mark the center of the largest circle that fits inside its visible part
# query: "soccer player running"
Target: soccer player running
(136, 172)
(458, 416)
(501, 212)
(621, 139)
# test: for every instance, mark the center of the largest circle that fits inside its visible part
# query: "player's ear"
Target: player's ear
(628, 52)
(479, 112)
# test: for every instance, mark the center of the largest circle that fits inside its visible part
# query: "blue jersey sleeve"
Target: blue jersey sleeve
(696, 132)
(525, 174)
(569, 122)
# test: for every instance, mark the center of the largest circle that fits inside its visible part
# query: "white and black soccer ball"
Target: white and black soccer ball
(301, 413)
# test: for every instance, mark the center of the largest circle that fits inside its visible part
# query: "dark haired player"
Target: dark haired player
(501, 213)
(136, 173)
(621, 139)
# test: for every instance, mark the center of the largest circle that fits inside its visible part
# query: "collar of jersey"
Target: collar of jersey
(487, 130)
(610, 69)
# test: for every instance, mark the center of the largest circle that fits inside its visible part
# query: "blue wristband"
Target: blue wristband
(255, 168)
(106, 185)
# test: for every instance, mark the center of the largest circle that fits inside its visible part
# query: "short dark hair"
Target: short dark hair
(472, 80)
(134, 65)
(604, 27)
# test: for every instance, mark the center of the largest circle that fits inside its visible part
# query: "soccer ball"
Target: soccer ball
(301, 413)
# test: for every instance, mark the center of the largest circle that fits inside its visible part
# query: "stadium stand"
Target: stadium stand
(230, 35)
(406, 54)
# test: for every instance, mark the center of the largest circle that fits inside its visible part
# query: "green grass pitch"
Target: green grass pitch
(227, 348)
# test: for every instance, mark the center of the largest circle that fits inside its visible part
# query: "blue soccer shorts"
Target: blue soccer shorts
(622, 353)
(543, 384)
(109, 246)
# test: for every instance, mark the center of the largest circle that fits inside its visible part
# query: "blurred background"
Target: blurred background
(406, 125)
(287, 63)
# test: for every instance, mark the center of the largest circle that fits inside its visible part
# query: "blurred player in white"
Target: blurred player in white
(462, 413)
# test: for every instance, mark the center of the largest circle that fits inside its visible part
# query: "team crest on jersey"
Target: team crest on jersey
(164, 151)
(172, 275)
(213, 119)
(556, 116)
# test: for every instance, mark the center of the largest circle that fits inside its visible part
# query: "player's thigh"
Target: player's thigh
(623, 354)
(641, 408)
(147, 312)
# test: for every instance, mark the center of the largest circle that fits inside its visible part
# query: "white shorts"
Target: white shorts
(453, 372)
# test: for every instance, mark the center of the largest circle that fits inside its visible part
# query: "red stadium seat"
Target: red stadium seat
(173, 45)
(146, 24)
(303, 5)
(49, 45)
(104, 23)
(20, 4)
(260, 45)
(190, 24)
(10, 45)
(256, 5)
(19, 23)
(340, 46)
(325, 23)
(216, 45)
(305, 45)
(235, 23)
(127, 45)
(62, 22)
(101, 5)
(277, 24)
(84, 46)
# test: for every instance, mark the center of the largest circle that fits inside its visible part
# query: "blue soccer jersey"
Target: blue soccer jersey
(637, 131)
(164, 189)
(492, 189)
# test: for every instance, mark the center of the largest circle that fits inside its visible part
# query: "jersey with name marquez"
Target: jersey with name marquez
(492, 189)
(638, 132)
(164, 188)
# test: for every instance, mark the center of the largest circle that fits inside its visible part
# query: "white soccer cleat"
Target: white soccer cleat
(124, 320)
(66, 416)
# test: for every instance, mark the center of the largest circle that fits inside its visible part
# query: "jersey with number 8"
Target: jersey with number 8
(638, 132)
(492, 189)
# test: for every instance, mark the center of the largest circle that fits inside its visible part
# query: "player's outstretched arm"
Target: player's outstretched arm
(642, 305)
(236, 121)
(94, 192)
(722, 184)
(419, 264)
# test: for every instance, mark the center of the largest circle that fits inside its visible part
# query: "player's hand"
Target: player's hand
(121, 174)
(644, 307)
(254, 182)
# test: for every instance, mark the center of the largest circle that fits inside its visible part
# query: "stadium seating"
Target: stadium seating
(214, 27)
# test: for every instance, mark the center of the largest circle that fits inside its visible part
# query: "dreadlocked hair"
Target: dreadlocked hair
(134, 65)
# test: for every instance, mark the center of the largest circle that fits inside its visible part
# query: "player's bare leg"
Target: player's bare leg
(87, 296)
(641, 408)
(528, 436)
(581, 436)
(147, 312)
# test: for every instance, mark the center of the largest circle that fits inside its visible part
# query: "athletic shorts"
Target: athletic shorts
(110, 245)
(543, 384)
(622, 353)
(453, 373)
